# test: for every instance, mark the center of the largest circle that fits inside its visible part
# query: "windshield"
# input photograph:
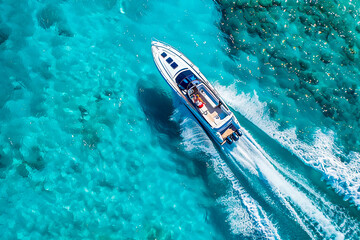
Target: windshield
(186, 79)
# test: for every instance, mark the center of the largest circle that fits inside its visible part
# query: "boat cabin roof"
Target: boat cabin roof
(186, 79)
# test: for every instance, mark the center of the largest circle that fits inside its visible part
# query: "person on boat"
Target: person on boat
(198, 101)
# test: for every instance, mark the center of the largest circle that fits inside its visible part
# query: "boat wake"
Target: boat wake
(245, 215)
(265, 195)
(322, 154)
(247, 152)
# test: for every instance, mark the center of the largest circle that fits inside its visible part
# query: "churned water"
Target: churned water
(94, 146)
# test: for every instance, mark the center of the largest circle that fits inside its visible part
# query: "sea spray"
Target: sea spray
(245, 215)
(322, 153)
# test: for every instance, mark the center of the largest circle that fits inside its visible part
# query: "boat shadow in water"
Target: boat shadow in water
(158, 109)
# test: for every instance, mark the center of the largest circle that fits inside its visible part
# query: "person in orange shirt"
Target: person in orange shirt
(198, 101)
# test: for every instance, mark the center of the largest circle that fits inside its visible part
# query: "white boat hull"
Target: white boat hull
(171, 63)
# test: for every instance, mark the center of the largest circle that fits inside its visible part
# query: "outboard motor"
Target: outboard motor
(229, 140)
(239, 133)
(234, 136)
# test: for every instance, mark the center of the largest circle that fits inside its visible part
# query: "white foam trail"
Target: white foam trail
(121, 7)
(250, 155)
(245, 214)
(247, 153)
(285, 190)
(322, 154)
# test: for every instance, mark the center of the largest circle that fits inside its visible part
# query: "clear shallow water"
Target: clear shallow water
(93, 145)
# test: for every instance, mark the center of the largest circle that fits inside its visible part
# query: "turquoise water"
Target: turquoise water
(93, 144)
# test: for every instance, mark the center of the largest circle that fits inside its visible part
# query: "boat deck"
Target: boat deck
(227, 133)
(211, 111)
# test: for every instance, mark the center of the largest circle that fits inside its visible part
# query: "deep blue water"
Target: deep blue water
(93, 145)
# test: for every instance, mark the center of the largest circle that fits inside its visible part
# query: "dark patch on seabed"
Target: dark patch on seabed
(4, 34)
(51, 15)
(308, 54)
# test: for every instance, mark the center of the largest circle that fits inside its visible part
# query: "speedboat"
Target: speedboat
(196, 93)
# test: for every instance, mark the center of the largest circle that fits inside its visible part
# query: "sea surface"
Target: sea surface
(94, 145)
